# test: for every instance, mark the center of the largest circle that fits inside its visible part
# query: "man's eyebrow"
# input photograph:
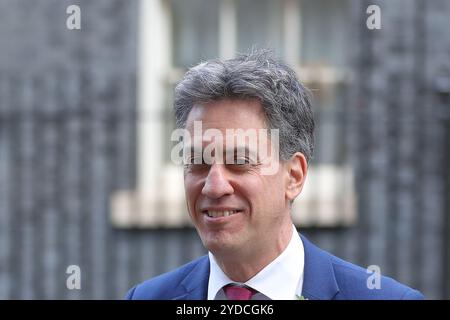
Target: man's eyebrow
(246, 151)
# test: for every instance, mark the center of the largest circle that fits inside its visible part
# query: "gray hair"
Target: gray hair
(256, 75)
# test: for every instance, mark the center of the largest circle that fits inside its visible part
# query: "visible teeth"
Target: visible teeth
(216, 214)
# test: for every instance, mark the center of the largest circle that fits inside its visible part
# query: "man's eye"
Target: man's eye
(196, 164)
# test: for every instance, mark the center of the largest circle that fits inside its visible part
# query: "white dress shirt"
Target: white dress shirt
(282, 279)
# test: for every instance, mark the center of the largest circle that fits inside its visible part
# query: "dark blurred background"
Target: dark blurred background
(85, 123)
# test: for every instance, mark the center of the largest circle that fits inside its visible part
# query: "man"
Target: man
(240, 206)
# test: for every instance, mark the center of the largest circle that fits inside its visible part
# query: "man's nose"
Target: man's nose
(216, 183)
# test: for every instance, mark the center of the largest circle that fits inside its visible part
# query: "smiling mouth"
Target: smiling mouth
(221, 213)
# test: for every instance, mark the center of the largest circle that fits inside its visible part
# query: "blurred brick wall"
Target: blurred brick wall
(67, 140)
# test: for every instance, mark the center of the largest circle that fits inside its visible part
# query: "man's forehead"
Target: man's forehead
(234, 136)
(241, 149)
(228, 113)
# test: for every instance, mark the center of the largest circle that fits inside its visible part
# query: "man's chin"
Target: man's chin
(220, 246)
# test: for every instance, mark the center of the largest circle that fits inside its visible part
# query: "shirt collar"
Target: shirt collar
(282, 279)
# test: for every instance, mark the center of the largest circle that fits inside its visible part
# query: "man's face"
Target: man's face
(234, 207)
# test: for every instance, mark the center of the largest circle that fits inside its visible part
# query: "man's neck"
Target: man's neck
(243, 266)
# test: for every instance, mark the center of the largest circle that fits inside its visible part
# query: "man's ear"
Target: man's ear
(297, 167)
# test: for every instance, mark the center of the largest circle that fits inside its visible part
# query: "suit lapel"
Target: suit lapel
(319, 282)
(195, 285)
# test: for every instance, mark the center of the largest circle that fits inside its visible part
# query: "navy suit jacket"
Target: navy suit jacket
(325, 277)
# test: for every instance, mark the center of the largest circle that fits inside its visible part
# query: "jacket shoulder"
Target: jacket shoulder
(355, 282)
(163, 286)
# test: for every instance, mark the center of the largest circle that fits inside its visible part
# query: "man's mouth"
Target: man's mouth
(220, 213)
